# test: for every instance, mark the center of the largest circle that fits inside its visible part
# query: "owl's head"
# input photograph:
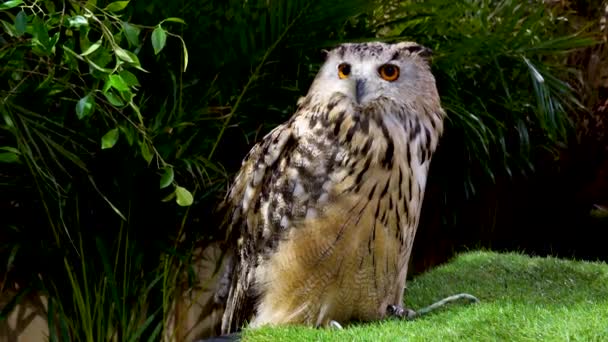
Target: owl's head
(368, 71)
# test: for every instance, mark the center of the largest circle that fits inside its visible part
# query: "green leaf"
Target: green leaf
(84, 107)
(118, 83)
(159, 39)
(9, 157)
(122, 54)
(109, 139)
(77, 21)
(20, 23)
(53, 41)
(40, 34)
(129, 57)
(116, 6)
(167, 178)
(145, 152)
(169, 197)
(183, 197)
(92, 48)
(97, 67)
(129, 78)
(136, 110)
(185, 53)
(71, 52)
(115, 100)
(9, 28)
(10, 149)
(175, 20)
(132, 33)
(129, 133)
(91, 5)
(10, 4)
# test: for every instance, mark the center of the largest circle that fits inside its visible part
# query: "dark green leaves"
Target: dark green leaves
(9, 154)
(131, 32)
(499, 66)
(129, 78)
(20, 23)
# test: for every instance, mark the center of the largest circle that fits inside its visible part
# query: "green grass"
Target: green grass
(522, 298)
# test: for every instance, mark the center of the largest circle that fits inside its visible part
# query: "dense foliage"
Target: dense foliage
(123, 122)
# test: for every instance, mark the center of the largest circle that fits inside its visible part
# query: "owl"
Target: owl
(322, 215)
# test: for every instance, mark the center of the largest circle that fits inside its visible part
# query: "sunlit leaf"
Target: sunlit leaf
(175, 20)
(125, 55)
(116, 6)
(118, 83)
(167, 177)
(84, 106)
(185, 50)
(109, 139)
(77, 21)
(159, 39)
(10, 4)
(183, 197)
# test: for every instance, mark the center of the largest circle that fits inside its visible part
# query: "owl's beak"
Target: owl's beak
(360, 90)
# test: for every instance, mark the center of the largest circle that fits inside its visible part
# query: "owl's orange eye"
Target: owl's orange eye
(389, 72)
(343, 70)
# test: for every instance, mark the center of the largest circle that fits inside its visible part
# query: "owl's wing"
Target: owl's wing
(243, 221)
(282, 182)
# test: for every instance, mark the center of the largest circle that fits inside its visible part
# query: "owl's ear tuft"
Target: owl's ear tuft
(324, 53)
(418, 50)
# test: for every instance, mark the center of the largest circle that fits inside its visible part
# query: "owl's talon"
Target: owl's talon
(401, 312)
(335, 325)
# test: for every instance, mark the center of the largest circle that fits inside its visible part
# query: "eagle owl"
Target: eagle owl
(323, 212)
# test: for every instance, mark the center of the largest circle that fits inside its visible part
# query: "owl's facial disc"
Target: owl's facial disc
(366, 72)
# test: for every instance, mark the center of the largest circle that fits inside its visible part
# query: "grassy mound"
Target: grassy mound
(522, 299)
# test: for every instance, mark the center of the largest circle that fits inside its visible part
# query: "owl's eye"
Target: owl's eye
(343, 70)
(389, 72)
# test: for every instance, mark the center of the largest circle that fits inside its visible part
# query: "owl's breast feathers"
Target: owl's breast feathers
(324, 210)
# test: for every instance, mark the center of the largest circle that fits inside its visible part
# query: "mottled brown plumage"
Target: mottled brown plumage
(323, 213)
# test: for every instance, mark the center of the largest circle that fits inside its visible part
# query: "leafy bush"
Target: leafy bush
(500, 70)
(102, 134)
(73, 119)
